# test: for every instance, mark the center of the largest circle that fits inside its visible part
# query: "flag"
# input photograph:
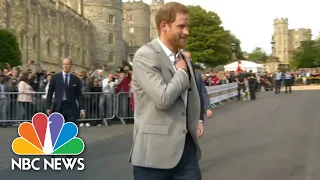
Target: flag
(239, 68)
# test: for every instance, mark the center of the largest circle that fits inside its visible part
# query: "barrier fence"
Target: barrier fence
(99, 107)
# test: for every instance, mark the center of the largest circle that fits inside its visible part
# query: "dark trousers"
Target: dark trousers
(243, 87)
(288, 83)
(67, 111)
(278, 86)
(252, 89)
(187, 168)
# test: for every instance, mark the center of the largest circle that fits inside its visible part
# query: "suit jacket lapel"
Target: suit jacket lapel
(165, 59)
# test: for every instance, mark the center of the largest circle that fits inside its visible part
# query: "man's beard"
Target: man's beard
(176, 42)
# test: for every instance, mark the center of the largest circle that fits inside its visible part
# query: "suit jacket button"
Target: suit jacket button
(185, 131)
(183, 113)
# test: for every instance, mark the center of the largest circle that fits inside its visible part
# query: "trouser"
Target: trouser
(278, 86)
(243, 87)
(252, 89)
(287, 83)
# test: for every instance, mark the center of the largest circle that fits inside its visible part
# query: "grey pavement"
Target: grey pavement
(275, 137)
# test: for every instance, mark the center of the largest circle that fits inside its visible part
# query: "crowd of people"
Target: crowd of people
(23, 93)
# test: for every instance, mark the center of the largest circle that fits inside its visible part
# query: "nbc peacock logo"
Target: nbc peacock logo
(47, 136)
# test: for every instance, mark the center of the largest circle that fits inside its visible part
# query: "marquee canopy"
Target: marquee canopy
(245, 66)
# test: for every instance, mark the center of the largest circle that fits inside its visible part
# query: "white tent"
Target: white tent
(245, 65)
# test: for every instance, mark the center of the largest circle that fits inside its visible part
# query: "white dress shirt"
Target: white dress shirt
(171, 56)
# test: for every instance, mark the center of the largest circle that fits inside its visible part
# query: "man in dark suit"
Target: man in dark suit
(203, 94)
(67, 92)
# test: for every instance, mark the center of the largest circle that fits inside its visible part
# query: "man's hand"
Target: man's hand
(209, 113)
(181, 64)
(48, 112)
(200, 129)
(82, 115)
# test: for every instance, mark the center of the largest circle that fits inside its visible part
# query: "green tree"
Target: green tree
(258, 54)
(308, 54)
(9, 49)
(209, 43)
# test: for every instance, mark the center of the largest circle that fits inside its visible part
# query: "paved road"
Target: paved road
(273, 138)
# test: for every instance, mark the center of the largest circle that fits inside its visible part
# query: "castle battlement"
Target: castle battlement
(136, 5)
(281, 21)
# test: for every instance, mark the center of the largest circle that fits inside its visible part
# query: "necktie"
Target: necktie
(66, 88)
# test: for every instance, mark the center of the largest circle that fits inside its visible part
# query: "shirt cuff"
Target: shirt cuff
(184, 72)
(201, 121)
(83, 110)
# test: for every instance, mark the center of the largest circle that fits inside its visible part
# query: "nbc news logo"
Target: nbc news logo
(48, 136)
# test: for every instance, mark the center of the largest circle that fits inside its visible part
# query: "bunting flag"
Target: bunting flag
(239, 68)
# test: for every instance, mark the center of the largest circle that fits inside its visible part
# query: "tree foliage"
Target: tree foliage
(9, 49)
(258, 54)
(208, 42)
(307, 55)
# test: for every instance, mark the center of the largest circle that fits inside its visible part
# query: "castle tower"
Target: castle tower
(108, 48)
(281, 39)
(155, 5)
(136, 25)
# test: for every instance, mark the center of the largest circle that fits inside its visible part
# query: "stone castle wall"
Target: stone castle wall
(287, 40)
(136, 25)
(108, 48)
(42, 29)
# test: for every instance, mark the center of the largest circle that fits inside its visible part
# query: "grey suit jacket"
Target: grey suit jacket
(160, 113)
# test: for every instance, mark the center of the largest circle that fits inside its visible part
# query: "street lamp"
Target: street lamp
(272, 47)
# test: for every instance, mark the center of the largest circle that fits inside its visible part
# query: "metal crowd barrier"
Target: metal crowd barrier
(224, 92)
(99, 107)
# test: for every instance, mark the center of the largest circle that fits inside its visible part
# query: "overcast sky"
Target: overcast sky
(252, 20)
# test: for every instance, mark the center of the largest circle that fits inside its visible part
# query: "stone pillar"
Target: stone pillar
(59, 33)
(39, 36)
(27, 29)
(8, 14)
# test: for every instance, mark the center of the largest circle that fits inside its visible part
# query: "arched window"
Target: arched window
(22, 36)
(49, 46)
(111, 38)
(111, 57)
(34, 43)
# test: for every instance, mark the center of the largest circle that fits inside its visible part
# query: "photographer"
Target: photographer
(106, 99)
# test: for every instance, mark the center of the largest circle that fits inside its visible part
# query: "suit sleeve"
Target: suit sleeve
(50, 92)
(147, 73)
(79, 95)
(206, 100)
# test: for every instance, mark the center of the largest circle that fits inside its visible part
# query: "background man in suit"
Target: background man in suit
(204, 98)
(167, 106)
(67, 92)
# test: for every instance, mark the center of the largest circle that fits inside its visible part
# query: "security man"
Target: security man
(241, 78)
(278, 81)
(288, 82)
(252, 80)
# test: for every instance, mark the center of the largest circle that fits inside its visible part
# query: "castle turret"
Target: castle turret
(281, 39)
(108, 48)
(136, 25)
(155, 5)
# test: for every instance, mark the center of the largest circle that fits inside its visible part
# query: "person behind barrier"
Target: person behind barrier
(241, 78)
(288, 82)
(4, 100)
(167, 105)
(252, 80)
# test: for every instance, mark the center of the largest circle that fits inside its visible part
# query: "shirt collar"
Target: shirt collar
(166, 50)
(64, 73)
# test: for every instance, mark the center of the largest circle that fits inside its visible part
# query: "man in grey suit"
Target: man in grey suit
(167, 106)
